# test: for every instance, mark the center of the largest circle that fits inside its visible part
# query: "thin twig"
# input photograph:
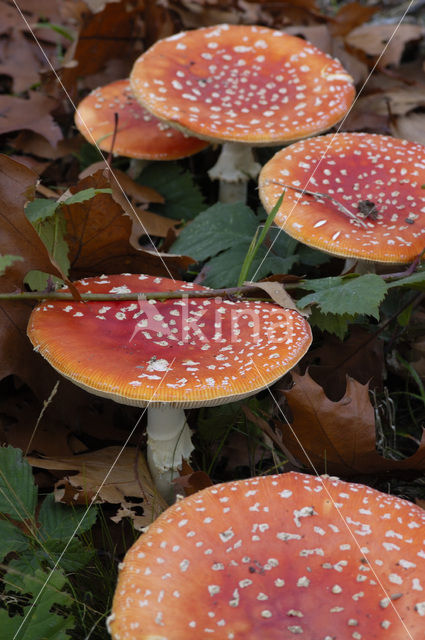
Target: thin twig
(145, 295)
(340, 206)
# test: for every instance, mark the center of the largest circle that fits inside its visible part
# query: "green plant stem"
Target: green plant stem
(256, 244)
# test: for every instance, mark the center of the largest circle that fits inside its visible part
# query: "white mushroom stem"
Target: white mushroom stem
(169, 442)
(234, 167)
(136, 167)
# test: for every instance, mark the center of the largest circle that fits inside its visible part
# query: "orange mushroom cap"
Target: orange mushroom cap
(185, 352)
(239, 83)
(139, 133)
(353, 169)
(277, 557)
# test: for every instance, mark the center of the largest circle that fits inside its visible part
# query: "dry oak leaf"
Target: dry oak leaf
(409, 127)
(113, 475)
(349, 16)
(128, 194)
(33, 114)
(337, 437)
(100, 238)
(109, 32)
(19, 238)
(372, 40)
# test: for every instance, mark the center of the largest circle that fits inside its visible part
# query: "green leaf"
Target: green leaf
(224, 269)
(40, 209)
(312, 257)
(51, 628)
(183, 197)
(219, 227)
(19, 569)
(352, 295)
(18, 493)
(60, 521)
(320, 284)
(11, 539)
(39, 622)
(214, 422)
(75, 557)
(52, 231)
(415, 280)
(7, 261)
(331, 322)
(83, 195)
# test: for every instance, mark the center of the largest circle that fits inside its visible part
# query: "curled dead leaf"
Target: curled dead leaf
(337, 437)
(113, 475)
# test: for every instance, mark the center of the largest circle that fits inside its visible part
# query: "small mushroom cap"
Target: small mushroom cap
(186, 352)
(243, 83)
(139, 133)
(357, 170)
(277, 557)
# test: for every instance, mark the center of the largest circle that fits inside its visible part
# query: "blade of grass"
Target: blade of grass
(256, 243)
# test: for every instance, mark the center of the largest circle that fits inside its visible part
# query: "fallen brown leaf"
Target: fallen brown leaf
(33, 114)
(100, 238)
(19, 238)
(409, 127)
(190, 481)
(337, 437)
(349, 16)
(113, 475)
(104, 34)
(371, 39)
(21, 427)
(358, 356)
(37, 145)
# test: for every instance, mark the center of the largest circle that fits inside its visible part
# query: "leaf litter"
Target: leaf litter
(331, 406)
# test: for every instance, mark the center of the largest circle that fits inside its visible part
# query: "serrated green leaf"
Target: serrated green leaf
(54, 630)
(321, 284)
(7, 261)
(219, 227)
(352, 296)
(19, 569)
(40, 209)
(330, 322)
(52, 231)
(18, 493)
(415, 280)
(11, 539)
(223, 270)
(83, 195)
(60, 521)
(75, 557)
(38, 621)
(183, 197)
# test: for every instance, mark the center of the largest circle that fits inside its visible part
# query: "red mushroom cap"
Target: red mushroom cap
(355, 169)
(243, 83)
(139, 133)
(277, 557)
(186, 352)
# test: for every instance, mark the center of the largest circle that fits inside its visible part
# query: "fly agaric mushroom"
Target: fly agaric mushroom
(139, 134)
(376, 179)
(168, 355)
(241, 85)
(277, 557)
